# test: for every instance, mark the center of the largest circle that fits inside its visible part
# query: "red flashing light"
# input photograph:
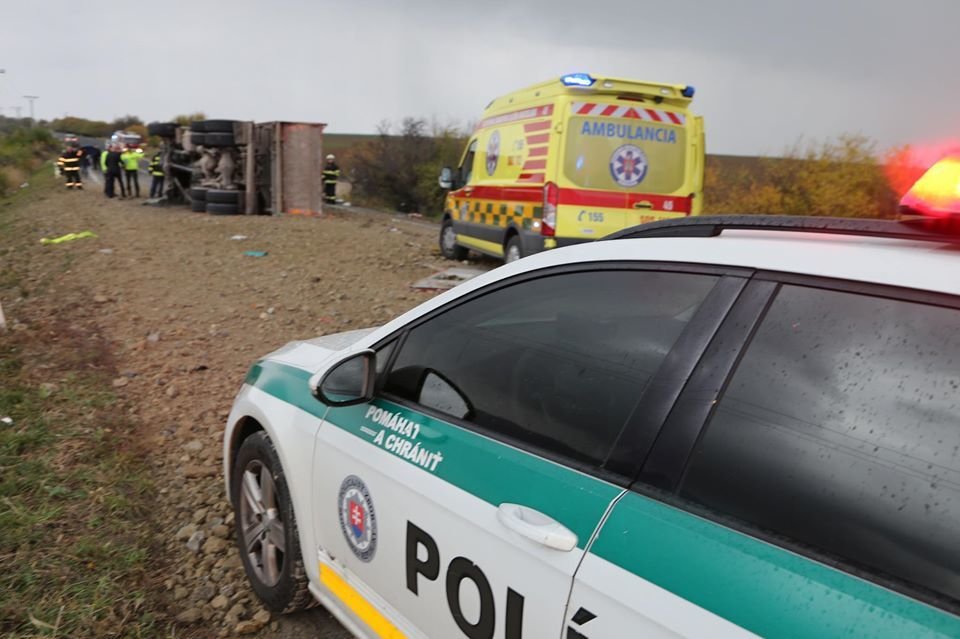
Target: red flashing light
(937, 192)
(551, 197)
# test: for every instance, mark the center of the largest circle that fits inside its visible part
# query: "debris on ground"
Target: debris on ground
(447, 279)
(69, 237)
(255, 253)
(238, 237)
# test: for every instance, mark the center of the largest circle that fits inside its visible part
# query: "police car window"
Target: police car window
(558, 362)
(841, 430)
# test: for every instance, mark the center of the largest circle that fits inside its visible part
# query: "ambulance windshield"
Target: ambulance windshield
(625, 153)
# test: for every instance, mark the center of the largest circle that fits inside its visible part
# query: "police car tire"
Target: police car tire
(162, 129)
(457, 252)
(219, 139)
(223, 196)
(290, 593)
(218, 208)
(218, 126)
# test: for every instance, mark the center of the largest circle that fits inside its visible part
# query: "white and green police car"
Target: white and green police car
(706, 427)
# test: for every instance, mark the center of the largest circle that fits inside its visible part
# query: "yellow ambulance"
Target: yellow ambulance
(571, 160)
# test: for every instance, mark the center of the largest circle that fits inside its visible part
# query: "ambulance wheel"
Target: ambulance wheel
(513, 250)
(266, 527)
(448, 243)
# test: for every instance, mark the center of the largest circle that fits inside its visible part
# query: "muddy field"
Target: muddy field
(183, 312)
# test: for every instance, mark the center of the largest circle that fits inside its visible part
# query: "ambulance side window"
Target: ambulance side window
(466, 169)
(557, 363)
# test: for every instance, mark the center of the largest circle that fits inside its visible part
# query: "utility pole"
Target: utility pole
(17, 109)
(31, 98)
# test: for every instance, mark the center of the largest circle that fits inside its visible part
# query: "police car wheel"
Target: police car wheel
(513, 250)
(267, 528)
(448, 243)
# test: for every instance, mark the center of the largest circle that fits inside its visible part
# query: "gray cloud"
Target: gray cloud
(767, 73)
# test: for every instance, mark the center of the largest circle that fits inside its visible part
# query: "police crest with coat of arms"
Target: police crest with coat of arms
(628, 165)
(358, 520)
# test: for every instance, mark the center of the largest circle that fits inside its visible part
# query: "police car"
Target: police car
(706, 427)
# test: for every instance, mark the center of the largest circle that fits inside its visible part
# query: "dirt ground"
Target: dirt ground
(184, 313)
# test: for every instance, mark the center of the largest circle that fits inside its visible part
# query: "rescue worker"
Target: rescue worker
(331, 173)
(156, 170)
(112, 170)
(131, 166)
(69, 163)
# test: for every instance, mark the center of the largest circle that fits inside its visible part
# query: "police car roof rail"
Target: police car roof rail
(921, 229)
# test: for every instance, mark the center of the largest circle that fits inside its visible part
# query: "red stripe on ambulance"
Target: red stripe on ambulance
(628, 112)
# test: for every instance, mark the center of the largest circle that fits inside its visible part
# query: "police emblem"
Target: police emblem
(493, 152)
(628, 165)
(358, 520)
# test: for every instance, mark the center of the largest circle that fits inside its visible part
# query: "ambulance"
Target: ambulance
(571, 160)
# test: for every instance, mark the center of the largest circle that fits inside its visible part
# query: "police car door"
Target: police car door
(458, 502)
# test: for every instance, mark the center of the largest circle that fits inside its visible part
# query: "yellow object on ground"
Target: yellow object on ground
(69, 237)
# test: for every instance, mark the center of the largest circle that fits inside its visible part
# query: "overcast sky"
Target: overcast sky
(766, 72)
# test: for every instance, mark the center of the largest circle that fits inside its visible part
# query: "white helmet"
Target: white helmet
(330, 157)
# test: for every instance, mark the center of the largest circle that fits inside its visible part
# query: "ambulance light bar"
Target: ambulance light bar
(577, 80)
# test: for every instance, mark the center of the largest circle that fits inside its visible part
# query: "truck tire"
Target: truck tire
(219, 139)
(198, 200)
(218, 126)
(448, 243)
(222, 209)
(198, 126)
(223, 196)
(198, 138)
(162, 129)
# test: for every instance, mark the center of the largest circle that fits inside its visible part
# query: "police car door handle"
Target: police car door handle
(536, 527)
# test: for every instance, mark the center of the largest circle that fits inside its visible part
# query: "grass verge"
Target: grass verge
(74, 490)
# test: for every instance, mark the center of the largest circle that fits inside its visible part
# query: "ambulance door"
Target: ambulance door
(463, 198)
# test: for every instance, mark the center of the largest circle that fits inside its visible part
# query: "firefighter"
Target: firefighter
(112, 170)
(156, 170)
(131, 167)
(331, 173)
(69, 163)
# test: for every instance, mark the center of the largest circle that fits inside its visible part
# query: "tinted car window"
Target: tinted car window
(558, 362)
(841, 430)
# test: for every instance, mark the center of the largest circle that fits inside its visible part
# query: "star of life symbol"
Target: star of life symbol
(358, 520)
(493, 152)
(628, 165)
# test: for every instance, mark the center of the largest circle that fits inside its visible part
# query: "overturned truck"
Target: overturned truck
(231, 167)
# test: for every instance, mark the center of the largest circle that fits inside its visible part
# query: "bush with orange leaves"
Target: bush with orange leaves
(842, 178)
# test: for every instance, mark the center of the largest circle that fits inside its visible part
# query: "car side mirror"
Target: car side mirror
(349, 382)
(446, 178)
